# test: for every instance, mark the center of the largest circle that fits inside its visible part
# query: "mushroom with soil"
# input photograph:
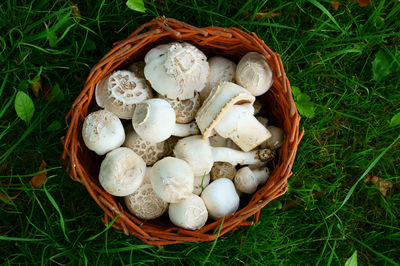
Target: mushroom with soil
(102, 131)
(144, 202)
(176, 70)
(201, 156)
(154, 121)
(254, 73)
(120, 91)
(222, 170)
(191, 213)
(247, 180)
(122, 172)
(220, 198)
(172, 179)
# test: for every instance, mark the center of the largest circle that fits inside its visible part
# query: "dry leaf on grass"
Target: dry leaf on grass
(363, 3)
(335, 5)
(383, 186)
(36, 86)
(75, 11)
(262, 13)
(38, 180)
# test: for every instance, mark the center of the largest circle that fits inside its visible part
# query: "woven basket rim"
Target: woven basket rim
(227, 40)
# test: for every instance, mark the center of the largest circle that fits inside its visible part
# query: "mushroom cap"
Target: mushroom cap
(144, 202)
(220, 198)
(222, 170)
(102, 131)
(254, 73)
(122, 172)
(121, 91)
(137, 68)
(154, 120)
(176, 70)
(149, 151)
(221, 69)
(172, 179)
(191, 213)
(196, 152)
(221, 98)
(185, 110)
(276, 139)
(200, 182)
(245, 181)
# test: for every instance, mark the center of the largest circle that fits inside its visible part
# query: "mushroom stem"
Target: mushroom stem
(184, 130)
(234, 157)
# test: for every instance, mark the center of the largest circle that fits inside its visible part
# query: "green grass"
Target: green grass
(328, 54)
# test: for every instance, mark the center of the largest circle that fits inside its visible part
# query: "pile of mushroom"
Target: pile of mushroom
(180, 133)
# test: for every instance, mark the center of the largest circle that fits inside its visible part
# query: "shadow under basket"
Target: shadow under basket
(83, 165)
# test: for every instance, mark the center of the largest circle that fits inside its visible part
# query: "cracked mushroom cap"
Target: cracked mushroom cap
(102, 131)
(149, 151)
(176, 70)
(185, 110)
(254, 73)
(144, 202)
(121, 91)
(221, 69)
(122, 172)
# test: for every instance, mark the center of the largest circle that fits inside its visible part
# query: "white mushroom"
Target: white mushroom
(221, 98)
(201, 156)
(222, 170)
(277, 137)
(176, 70)
(102, 131)
(220, 198)
(221, 69)
(238, 123)
(191, 213)
(247, 180)
(254, 73)
(172, 179)
(121, 91)
(200, 182)
(154, 121)
(122, 172)
(149, 151)
(185, 110)
(144, 202)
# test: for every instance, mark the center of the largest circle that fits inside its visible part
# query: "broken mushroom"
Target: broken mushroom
(191, 213)
(102, 131)
(176, 70)
(122, 172)
(247, 180)
(254, 73)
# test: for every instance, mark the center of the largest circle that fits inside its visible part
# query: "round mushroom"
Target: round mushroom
(122, 172)
(222, 170)
(176, 70)
(247, 180)
(121, 91)
(220, 198)
(191, 213)
(172, 179)
(102, 131)
(221, 69)
(144, 202)
(185, 110)
(276, 140)
(200, 182)
(254, 73)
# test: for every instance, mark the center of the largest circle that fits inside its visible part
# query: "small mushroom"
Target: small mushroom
(220, 198)
(191, 213)
(122, 172)
(172, 179)
(185, 110)
(201, 156)
(154, 121)
(254, 73)
(221, 69)
(276, 139)
(149, 151)
(222, 170)
(247, 180)
(238, 123)
(200, 182)
(144, 202)
(137, 68)
(121, 91)
(221, 98)
(102, 131)
(176, 70)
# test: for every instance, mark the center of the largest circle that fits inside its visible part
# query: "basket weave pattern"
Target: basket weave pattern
(83, 165)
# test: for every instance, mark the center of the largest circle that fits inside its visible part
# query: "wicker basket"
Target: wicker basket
(83, 165)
